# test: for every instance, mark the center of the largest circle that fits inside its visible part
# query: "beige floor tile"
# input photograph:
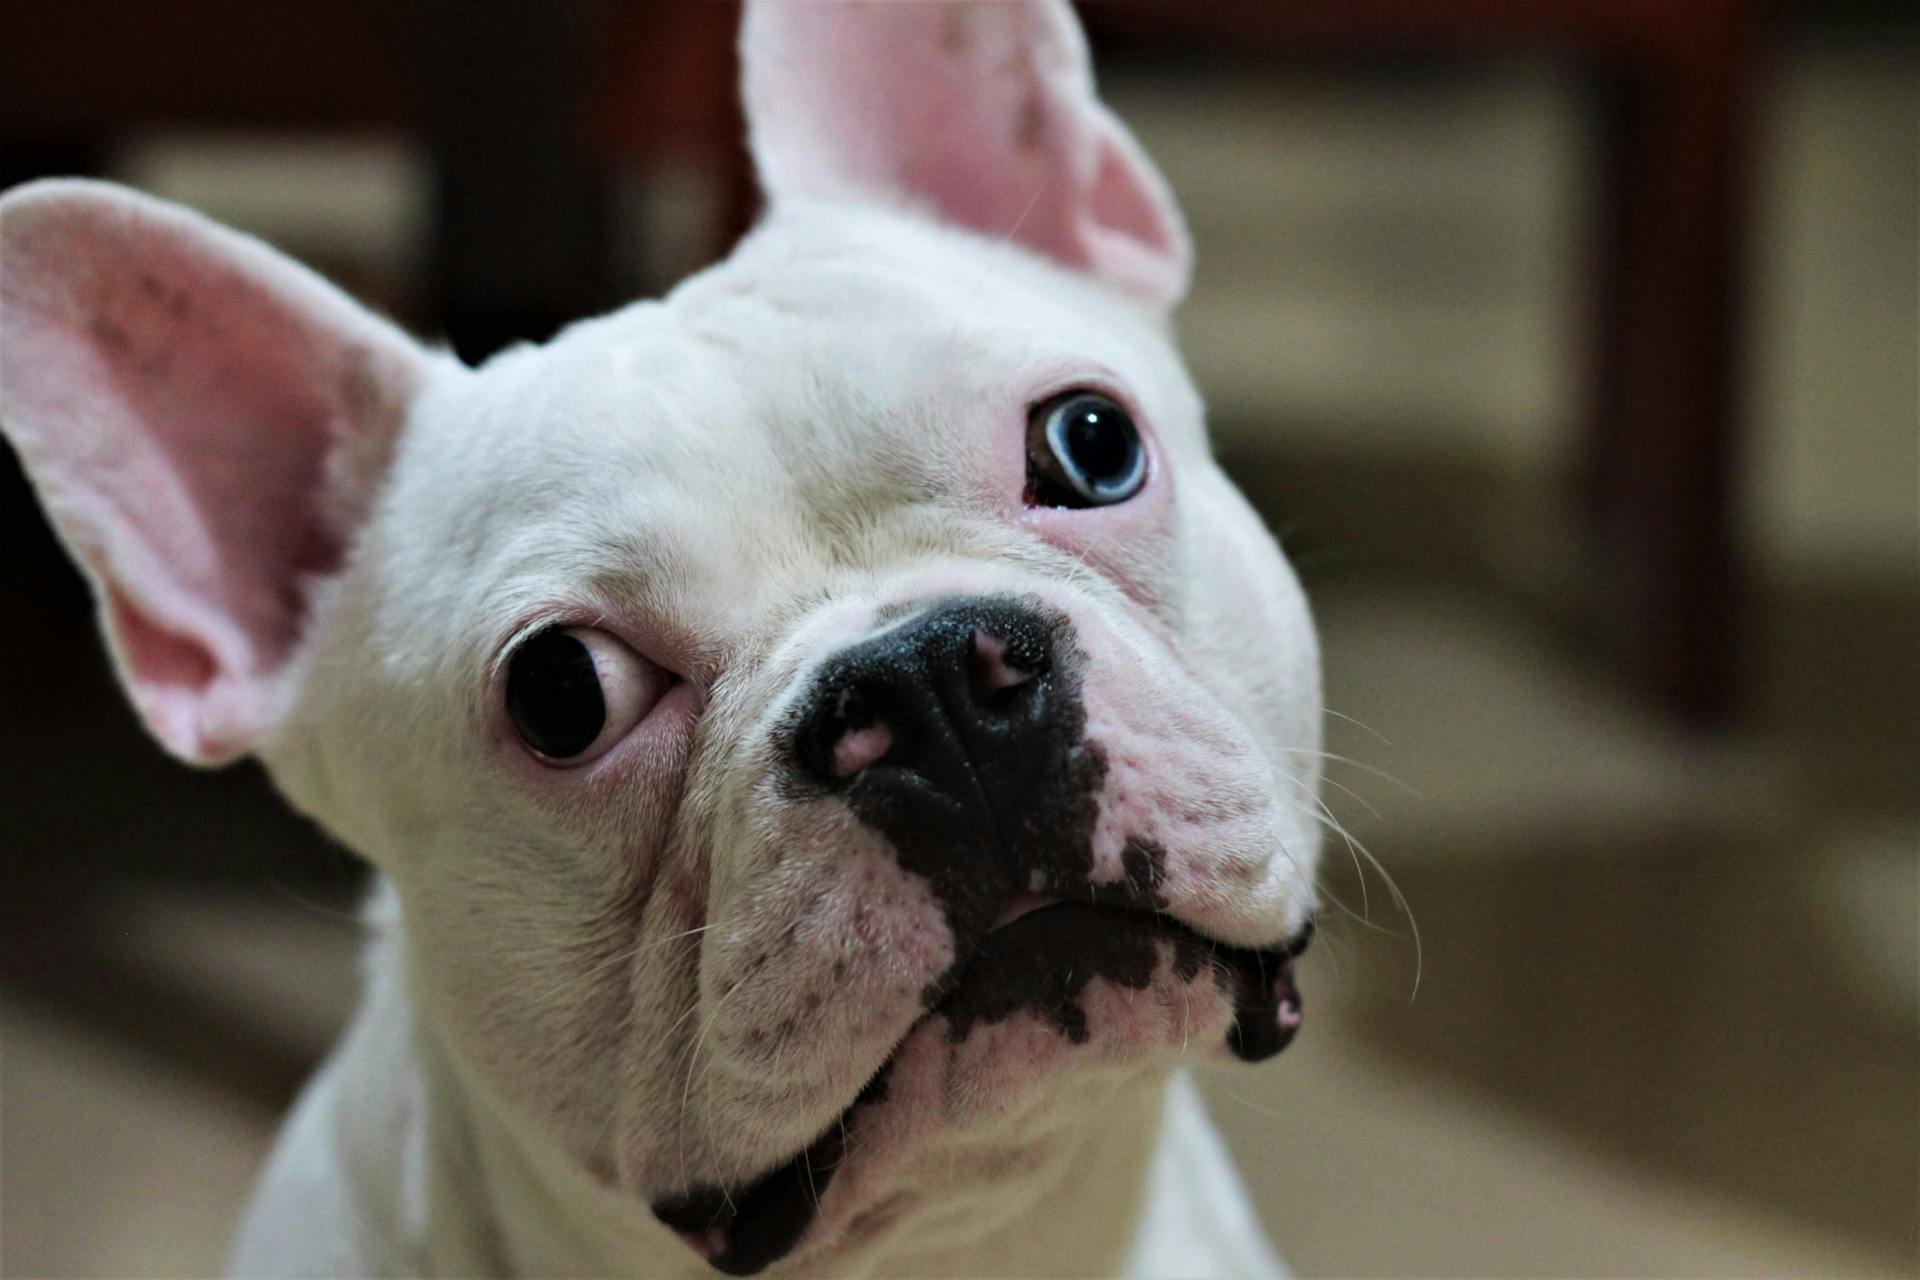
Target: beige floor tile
(1360, 1169)
(110, 1167)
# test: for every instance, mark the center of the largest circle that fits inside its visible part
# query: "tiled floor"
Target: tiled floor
(115, 1168)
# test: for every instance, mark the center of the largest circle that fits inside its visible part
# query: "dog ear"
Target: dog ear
(206, 422)
(983, 113)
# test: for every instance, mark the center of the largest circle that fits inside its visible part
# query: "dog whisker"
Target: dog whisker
(1357, 764)
(1366, 906)
(1358, 724)
(1393, 887)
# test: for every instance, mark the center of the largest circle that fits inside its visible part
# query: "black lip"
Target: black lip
(1041, 963)
(762, 1221)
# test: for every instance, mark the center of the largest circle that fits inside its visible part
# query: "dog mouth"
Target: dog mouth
(1040, 961)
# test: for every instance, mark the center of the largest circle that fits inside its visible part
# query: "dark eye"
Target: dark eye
(573, 692)
(1083, 451)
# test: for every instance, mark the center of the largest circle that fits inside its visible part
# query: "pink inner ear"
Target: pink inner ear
(171, 674)
(201, 440)
(984, 113)
(165, 662)
(222, 441)
(1118, 202)
(177, 392)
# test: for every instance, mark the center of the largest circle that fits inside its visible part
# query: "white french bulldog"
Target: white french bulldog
(832, 740)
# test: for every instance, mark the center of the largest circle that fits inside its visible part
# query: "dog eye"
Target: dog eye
(1083, 451)
(572, 692)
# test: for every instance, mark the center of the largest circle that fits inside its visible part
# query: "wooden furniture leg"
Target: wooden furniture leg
(1660, 446)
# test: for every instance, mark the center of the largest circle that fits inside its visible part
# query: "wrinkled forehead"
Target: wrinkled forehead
(823, 402)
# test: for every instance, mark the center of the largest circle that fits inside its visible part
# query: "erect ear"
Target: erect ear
(206, 422)
(983, 112)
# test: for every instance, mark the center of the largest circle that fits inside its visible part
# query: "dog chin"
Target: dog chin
(1074, 999)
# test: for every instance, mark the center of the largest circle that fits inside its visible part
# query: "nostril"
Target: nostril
(915, 709)
(859, 748)
(995, 669)
(856, 735)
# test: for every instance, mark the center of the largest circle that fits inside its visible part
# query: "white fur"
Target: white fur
(387, 744)
(573, 973)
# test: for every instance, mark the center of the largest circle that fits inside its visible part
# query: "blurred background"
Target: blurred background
(1570, 346)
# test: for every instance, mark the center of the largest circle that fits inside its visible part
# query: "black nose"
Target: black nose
(931, 701)
(958, 733)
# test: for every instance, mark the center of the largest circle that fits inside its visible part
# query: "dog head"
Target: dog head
(835, 713)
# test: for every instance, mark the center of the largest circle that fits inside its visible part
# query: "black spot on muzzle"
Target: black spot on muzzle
(970, 757)
(987, 786)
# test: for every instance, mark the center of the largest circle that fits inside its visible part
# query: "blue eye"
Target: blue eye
(1083, 451)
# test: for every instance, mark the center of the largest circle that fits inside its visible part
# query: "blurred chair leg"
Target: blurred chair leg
(1662, 445)
(521, 206)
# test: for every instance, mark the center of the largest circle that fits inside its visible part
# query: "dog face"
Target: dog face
(831, 723)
